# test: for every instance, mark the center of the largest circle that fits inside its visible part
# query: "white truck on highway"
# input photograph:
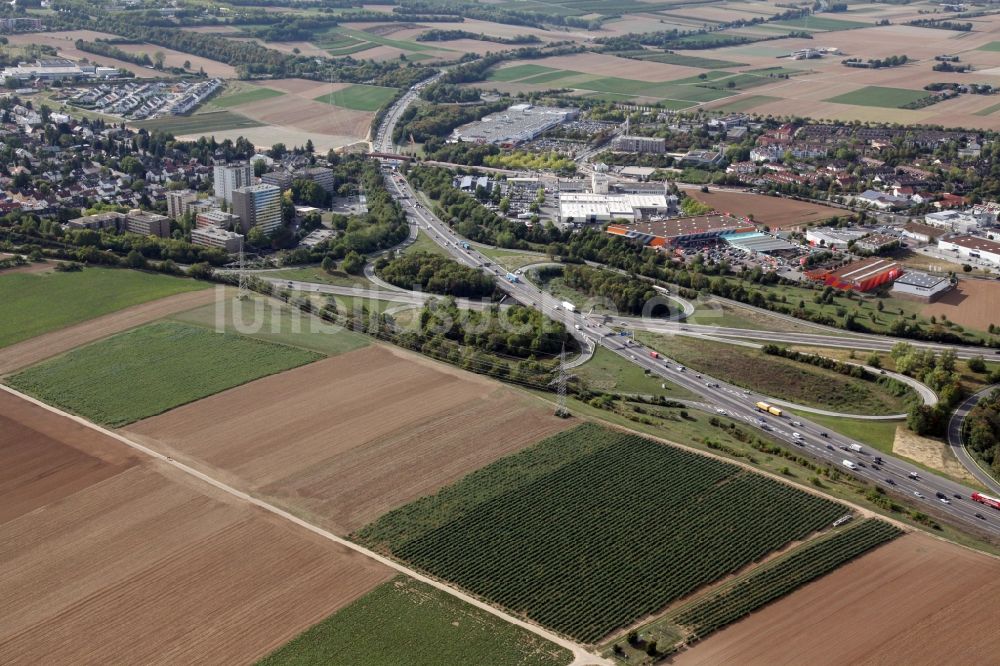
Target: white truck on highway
(849, 465)
(569, 307)
(856, 448)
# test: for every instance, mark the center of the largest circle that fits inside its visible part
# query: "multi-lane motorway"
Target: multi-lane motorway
(932, 493)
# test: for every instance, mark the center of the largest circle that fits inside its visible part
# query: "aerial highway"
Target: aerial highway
(932, 493)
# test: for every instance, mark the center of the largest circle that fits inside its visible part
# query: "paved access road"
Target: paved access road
(955, 439)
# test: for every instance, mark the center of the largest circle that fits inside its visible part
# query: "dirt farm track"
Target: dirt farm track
(917, 600)
(108, 557)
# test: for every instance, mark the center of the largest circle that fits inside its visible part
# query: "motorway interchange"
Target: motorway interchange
(930, 492)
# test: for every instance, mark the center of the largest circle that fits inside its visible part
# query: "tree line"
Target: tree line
(437, 274)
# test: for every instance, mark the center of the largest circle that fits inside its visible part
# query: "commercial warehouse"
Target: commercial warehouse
(972, 247)
(589, 207)
(519, 123)
(917, 286)
(862, 275)
(682, 230)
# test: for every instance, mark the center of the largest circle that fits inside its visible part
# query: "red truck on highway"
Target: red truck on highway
(987, 500)
(654, 354)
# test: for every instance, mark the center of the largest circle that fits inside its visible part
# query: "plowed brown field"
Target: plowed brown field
(109, 557)
(344, 440)
(775, 212)
(972, 303)
(917, 600)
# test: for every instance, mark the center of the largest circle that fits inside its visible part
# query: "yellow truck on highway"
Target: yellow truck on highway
(771, 409)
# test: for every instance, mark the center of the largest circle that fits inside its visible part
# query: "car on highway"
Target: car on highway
(890, 482)
(918, 494)
(719, 410)
(979, 515)
(796, 424)
(914, 475)
(829, 446)
(957, 496)
(823, 434)
(797, 435)
(944, 500)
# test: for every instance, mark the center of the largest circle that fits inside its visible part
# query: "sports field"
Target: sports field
(36, 303)
(359, 97)
(151, 369)
(213, 121)
(404, 622)
(593, 529)
(890, 98)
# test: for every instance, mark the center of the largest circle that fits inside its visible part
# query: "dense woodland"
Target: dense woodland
(627, 294)
(437, 274)
(982, 433)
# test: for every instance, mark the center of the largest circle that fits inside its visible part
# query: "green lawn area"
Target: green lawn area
(359, 97)
(779, 377)
(151, 369)
(877, 434)
(512, 259)
(407, 623)
(609, 372)
(317, 274)
(272, 320)
(213, 121)
(425, 243)
(988, 110)
(518, 72)
(36, 303)
(889, 98)
(822, 23)
(246, 97)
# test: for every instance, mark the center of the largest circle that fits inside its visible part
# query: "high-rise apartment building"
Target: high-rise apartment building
(258, 206)
(230, 177)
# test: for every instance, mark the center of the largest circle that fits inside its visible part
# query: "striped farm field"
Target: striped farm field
(151, 369)
(593, 529)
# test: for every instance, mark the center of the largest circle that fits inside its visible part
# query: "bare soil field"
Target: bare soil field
(916, 600)
(344, 440)
(805, 95)
(304, 87)
(599, 64)
(269, 135)
(936, 455)
(308, 115)
(64, 42)
(109, 558)
(972, 303)
(176, 59)
(36, 349)
(39, 467)
(775, 212)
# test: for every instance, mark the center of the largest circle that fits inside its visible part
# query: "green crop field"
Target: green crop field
(36, 303)
(889, 98)
(151, 369)
(593, 529)
(246, 97)
(822, 23)
(988, 110)
(359, 97)
(992, 46)
(405, 623)
(273, 321)
(213, 121)
(690, 61)
(772, 582)
(782, 378)
(518, 72)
